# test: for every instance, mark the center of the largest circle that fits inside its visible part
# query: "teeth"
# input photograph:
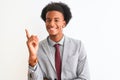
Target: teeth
(52, 28)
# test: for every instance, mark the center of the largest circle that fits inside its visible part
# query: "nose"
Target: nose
(52, 23)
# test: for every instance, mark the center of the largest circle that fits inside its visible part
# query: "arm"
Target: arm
(34, 71)
(82, 68)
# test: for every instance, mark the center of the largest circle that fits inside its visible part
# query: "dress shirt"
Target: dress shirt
(52, 48)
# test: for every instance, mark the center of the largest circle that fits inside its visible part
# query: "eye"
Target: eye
(56, 20)
(48, 20)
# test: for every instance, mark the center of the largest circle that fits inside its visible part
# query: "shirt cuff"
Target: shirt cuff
(33, 68)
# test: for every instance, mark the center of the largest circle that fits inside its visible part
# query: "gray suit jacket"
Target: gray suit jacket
(74, 62)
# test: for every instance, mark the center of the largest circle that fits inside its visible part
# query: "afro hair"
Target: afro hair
(57, 6)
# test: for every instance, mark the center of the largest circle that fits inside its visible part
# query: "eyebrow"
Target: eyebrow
(54, 18)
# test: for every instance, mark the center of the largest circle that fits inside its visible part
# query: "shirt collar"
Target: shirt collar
(52, 43)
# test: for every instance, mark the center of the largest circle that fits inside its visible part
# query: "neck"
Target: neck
(56, 38)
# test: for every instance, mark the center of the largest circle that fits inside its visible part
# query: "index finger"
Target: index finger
(27, 34)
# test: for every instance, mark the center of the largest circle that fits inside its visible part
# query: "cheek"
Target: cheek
(46, 25)
(60, 28)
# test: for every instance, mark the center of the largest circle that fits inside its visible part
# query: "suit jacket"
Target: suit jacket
(74, 62)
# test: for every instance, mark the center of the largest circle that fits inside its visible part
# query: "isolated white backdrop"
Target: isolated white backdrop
(95, 22)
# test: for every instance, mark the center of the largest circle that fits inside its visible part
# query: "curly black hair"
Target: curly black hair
(57, 6)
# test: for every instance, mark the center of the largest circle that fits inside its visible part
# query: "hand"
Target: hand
(32, 44)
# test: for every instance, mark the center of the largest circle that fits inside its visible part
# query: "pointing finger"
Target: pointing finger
(27, 34)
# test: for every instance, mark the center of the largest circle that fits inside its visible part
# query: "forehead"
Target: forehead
(54, 14)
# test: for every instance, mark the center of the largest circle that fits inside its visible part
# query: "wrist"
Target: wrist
(33, 62)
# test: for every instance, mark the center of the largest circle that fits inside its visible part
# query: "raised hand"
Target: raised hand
(32, 44)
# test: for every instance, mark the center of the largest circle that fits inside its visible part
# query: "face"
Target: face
(55, 23)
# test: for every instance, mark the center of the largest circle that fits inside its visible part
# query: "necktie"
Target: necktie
(57, 61)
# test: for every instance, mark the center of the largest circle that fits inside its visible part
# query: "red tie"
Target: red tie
(58, 61)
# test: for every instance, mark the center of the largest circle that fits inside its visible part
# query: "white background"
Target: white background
(95, 22)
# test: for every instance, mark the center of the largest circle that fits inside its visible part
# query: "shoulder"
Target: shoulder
(43, 42)
(72, 40)
(75, 45)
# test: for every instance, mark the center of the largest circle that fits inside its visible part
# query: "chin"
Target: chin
(51, 34)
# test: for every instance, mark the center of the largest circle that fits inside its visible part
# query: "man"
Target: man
(66, 62)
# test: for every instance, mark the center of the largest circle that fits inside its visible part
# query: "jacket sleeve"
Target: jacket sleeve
(82, 67)
(35, 73)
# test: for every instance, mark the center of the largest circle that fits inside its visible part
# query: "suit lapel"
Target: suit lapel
(65, 51)
(48, 53)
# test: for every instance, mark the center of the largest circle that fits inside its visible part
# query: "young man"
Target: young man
(66, 62)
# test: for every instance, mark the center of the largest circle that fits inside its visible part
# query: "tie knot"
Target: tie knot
(56, 45)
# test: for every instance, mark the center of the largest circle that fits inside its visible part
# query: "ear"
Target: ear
(64, 24)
